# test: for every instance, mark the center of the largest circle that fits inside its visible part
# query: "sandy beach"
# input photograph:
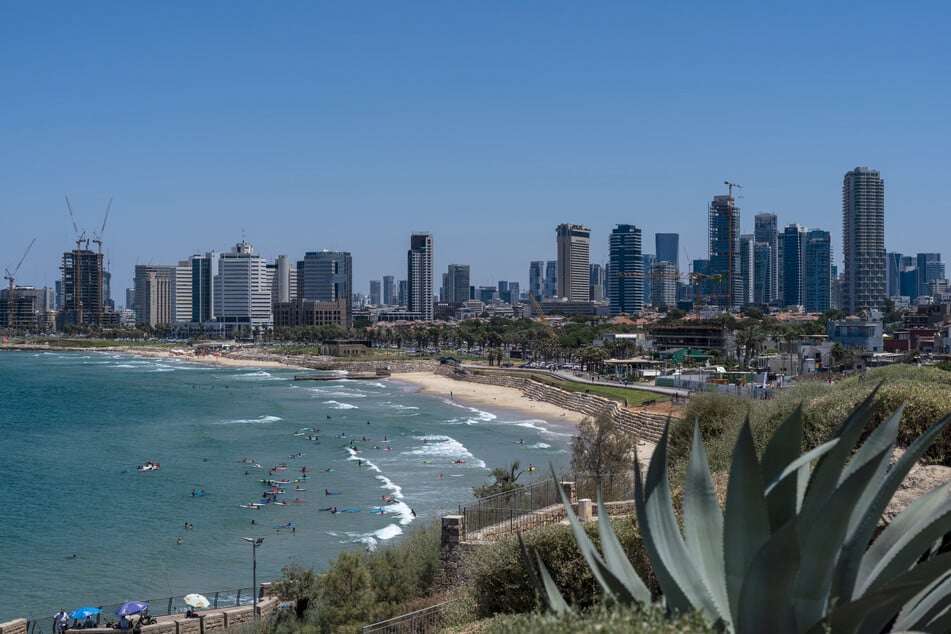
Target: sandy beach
(486, 396)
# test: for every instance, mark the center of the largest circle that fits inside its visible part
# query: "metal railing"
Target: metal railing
(519, 510)
(157, 607)
(419, 622)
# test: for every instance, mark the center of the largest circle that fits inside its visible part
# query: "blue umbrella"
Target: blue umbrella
(132, 607)
(81, 613)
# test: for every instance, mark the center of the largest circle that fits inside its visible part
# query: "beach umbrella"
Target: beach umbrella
(197, 600)
(81, 613)
(132, 607)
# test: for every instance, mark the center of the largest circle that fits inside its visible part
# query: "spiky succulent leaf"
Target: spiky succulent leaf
(782, 448)
(616, 559)
(882, 438)
(826, 475)
(703, 525)
(906, 538)
(858, 539)
(746, 521)
(532, 574)
(764, 599)
(821, 538)
(796, 466)
(656, 532)
(612, 586)
(556, 603)
(875, 610)
(929, 603)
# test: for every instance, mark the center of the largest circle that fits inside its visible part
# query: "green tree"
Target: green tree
(504, 481)
(602, 450)
(346, 595)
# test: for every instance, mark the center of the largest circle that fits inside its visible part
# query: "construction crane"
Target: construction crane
(97, 238)
(696, 278)
(10, 276)
(730, 185)
(537, 309)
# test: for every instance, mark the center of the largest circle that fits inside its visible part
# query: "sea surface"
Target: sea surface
(81, 525)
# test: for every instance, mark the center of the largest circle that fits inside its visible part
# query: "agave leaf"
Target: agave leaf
(801, 461)
(825, 477)
(746, 522)
(764, 599)
(532, 575)
(610, 585)
(930, 603)
(882, 437)
(655, 534)
(905, 550)
(821, 540)
(556, 603)
(616, 559)
(874, 611)
(703, 524)
(783, 447)
(856, 543)
(941, 623)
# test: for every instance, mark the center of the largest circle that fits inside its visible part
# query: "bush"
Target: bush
(599, 619)
(499, 582)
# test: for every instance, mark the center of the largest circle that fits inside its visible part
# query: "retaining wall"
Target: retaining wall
(641, 424)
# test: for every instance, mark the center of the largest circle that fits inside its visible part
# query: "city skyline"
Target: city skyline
(317, 127)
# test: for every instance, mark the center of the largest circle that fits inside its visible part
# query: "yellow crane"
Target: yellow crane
(537, 309)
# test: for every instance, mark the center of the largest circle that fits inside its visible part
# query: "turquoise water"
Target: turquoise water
(76, 425)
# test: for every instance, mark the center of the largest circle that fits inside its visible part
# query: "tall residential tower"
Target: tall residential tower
(863, 240)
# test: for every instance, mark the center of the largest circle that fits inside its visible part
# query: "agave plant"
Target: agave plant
(795, 548)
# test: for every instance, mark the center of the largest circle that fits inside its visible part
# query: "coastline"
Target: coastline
(484, 395)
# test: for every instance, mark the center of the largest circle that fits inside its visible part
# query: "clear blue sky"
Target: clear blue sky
(347, 126)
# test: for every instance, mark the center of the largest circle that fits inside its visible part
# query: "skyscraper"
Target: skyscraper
(930, 267)
(83, 294)
(766, 231)
(794, 265)
(457, 289)
(241, 290)
(666, 246)
(375, 293)
(326, 276)
(818, 271)
(154, 293)
(596, 281)
(419, 275)
(747, 268)
(626, 284)
(536, 278)
(389, 291)
(663, 284)
(863, 240)
(574, 243)
(724, 231)
(550, 288)
(893, 262)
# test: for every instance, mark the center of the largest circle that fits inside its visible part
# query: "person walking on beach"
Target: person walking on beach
(60, 621)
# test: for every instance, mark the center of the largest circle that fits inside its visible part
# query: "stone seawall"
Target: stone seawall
(641, 424)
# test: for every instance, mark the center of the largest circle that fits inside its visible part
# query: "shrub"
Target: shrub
(599, 619)
(499, 582)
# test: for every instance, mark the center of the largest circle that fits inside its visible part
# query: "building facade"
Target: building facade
(863, 240)
(766, 232)
(326, 276)
(419, 276)
(457, 283)
(626, 284)
(794, 265)
(724, 249)
(574, 246)
(667, 248)
(818, 271)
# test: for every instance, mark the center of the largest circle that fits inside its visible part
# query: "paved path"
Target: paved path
(579, 377)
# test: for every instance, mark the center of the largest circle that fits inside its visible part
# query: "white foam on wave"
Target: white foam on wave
(400, 406)
(540, 445)
(117, 365)
(251, 421)
(325, 393)
(355, 456)
(339, 405)
(444, 447)
(259, 375)
(369, 540)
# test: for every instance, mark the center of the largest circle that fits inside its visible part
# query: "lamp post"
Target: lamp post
(255, 542)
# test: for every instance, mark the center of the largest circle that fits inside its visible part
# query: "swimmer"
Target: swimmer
(179, 540)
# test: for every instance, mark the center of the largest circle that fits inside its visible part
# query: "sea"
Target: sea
(83, 525)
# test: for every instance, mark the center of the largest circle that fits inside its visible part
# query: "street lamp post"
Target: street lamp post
(255, 542)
